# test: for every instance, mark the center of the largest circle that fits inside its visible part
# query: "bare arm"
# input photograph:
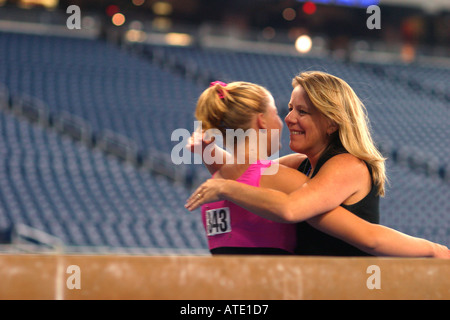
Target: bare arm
(375, 239)
(335, 182)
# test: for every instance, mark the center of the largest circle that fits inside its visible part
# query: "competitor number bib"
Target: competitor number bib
(218, 221)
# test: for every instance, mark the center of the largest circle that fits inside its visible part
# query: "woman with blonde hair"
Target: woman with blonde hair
(333, 197)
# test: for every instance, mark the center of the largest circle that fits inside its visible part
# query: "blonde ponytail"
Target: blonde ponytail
(230, 106)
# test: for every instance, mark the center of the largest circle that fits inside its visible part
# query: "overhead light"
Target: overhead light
(303, 44)
(112, 10)
(118, 19)
(27, 4)
(268, 33)
(162, 8)
(134, 35)
(309, 7)
(178, 39)
(289, 14)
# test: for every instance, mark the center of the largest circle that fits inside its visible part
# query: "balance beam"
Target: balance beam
(68, 277)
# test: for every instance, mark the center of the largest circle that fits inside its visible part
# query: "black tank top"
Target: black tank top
(311, 241)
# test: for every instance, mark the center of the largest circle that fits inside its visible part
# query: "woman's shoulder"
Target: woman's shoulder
(345, 161)
(282, 178)
(347, 171)
(292, 160)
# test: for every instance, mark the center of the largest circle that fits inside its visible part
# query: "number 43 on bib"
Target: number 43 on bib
(218, 221)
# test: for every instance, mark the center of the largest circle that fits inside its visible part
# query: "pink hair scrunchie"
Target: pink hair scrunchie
(223, 84)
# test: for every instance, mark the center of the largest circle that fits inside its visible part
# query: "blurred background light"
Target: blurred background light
(118, 19)
(303, 44)
(138, 2)
(268, 33)
(309, 8)
(112, 10)
(162, 8)
(289, 14)
(178, 39)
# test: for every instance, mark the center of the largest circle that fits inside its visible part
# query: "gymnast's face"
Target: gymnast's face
(307, 126)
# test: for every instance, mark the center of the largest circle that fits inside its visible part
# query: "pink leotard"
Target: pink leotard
(228, 225)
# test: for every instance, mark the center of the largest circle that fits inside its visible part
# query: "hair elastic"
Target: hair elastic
(223, 84)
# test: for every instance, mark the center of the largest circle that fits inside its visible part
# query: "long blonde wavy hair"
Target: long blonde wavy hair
(337, 101)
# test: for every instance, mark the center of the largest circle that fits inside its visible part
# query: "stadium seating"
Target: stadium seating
(79, 193)
(101, 84)
(416, 204)
(87, 198)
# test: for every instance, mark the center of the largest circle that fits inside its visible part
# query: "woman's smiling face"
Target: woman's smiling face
(307, 126)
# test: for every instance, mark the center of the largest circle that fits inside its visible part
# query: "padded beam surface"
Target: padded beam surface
(29, 276)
